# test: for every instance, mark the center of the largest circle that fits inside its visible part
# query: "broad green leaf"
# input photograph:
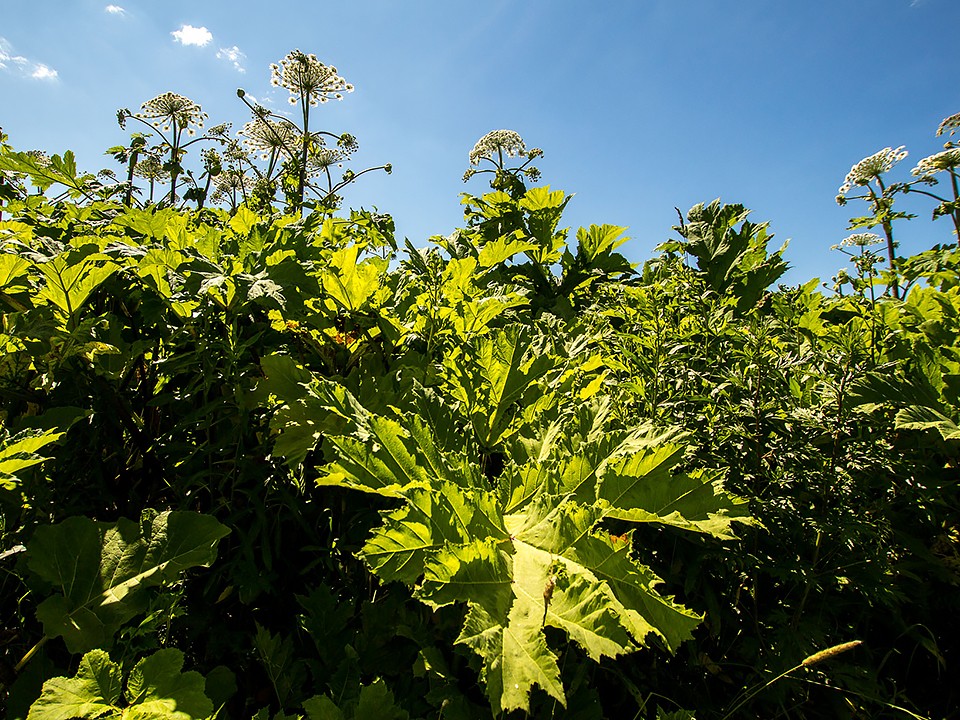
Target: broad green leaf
(501, 250)
(385, 462)
(490, 380)
(99, 570)
(374, 702)
(321, 707)
(916, 417)
(644, 611)
(91, 693)
(517, 585)
(349, 282)
(381, 456)
(599, 240)
(21, 451)
(474, 316)
(377, 703)
(68, 283)
(544, 563)
(505, 630)
(243, 221)
(279, 661)
(643, 488)
(42, 174)
(430, 520)
(152, 223)
(157, 690)
(13, 273)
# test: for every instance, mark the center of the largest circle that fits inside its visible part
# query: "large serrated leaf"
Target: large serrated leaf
(429, 521)
(99, 570)
(156, 690)
(69, 283)
(643, 488)
(91, 693)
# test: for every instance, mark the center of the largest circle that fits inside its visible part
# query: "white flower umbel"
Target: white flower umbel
(951, 123)
(171, 108)
(306, 77)
(870, 168)
(267, 136)
(497, 144)
(945, 160)
(860, 240)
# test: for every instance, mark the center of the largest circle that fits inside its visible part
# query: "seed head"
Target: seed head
(229, 182)
(322, 158)
(150, 168)
(860, 240)
(39, 157)
(830, 652)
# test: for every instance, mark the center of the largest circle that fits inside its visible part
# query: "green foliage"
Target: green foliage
(155, 688)
(99, 570)
(507, 473)
(731, 260)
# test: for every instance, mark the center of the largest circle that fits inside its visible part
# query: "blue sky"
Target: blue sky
(639, 105)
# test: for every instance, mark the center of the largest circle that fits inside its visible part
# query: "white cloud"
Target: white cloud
(115, 10)
(190, 35)
(42, 72)
(23, 66)
(233, 55)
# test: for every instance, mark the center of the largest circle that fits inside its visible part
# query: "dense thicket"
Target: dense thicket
(260, 463)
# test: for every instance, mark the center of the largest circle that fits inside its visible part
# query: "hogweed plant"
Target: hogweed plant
(174, 118)
(868, 175)
(496, 148)
(947, 161)
(295, 154)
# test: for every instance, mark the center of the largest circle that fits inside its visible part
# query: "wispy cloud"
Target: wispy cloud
(115, 10)
(42, 72)
(23, 66)
(233, 55)
(190, 35)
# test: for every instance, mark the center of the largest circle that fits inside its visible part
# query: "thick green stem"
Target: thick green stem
(304, 147)
(128, 199)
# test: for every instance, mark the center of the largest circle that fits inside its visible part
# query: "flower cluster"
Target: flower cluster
(267, 137)
(219, 131)
(151, 168)
(171, 108)
(951, 123)
(306, 77)
(212, 162)
(228, 184)
(860, 240)
(497, 143)
(870, 168)
(945, 160)
(322, 158)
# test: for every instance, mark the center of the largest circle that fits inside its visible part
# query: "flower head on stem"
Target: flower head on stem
(308, 78)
